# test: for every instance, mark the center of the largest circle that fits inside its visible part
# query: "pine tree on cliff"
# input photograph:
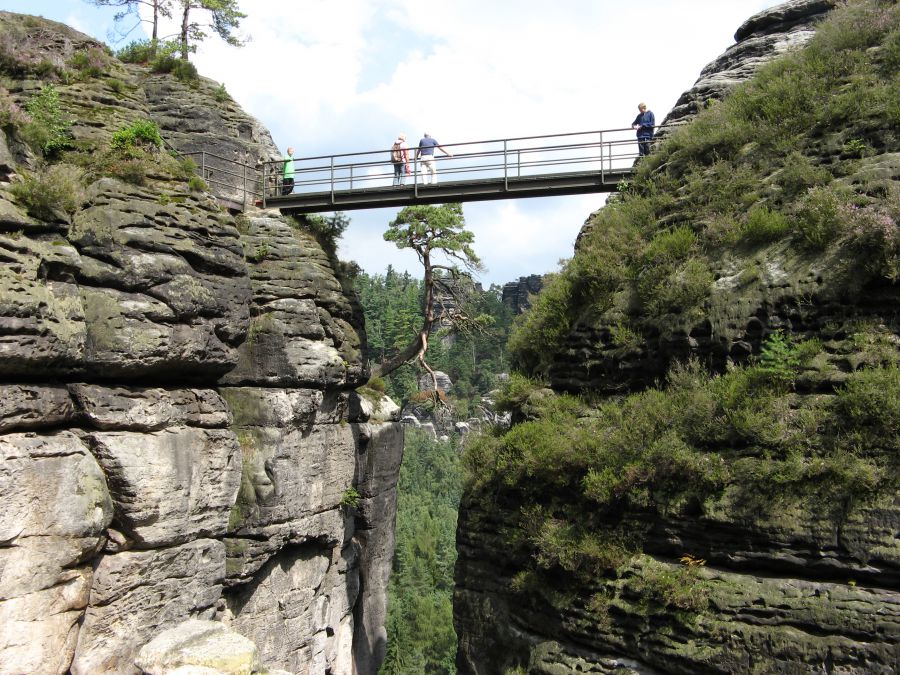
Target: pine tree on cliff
(434, 231)
(160, 8)
(225, 19)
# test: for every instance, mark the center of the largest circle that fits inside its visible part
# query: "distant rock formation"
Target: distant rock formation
(517, 294)
(179, 431)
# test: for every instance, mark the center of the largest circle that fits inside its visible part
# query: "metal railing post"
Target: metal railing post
(416, 177)
(505, 164)
(602, 174)
(265, 183)
(332, 179)
(351, 176)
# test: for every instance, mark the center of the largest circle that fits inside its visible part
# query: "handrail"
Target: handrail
(602, 152)
(249, 186)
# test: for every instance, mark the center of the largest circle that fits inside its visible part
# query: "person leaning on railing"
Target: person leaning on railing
(425, 153)
(287, 173)
(644, 124)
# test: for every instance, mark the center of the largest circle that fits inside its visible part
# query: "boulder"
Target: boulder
(199, 646)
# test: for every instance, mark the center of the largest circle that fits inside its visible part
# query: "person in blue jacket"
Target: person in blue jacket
(425, 155)
(644, 123)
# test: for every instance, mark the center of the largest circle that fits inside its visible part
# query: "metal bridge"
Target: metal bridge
(510, 168)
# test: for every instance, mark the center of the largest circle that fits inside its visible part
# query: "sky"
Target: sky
(337, 76)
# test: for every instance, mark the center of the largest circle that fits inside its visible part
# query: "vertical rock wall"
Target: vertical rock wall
(179, 434)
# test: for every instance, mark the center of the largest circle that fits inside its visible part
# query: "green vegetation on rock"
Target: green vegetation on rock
(783, 161)
(743, 445)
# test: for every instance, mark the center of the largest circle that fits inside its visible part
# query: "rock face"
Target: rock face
(791, 589)
(760, 39)
(179, 433)
(517, 294)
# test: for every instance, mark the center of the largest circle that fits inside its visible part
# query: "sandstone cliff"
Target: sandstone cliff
(722, 496)
(178, 426)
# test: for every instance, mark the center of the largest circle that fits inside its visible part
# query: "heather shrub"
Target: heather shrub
(817, 217)
(90, 62)
(11, 115)
(132, 170)
(763, 226)
(670, 247)
(873, 231)
(141, 136)
(798, 174)
(51, 192)
(197, 184)
(674, 288)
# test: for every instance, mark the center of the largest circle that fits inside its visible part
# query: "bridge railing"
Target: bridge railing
(229, 180)
(606, 151)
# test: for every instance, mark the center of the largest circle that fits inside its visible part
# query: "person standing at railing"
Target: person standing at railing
(400, 159)
(644, 123)
(425, 154)
(287, 173)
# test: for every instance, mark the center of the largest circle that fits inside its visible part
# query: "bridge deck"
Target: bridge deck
(506, 168)
(547, 185)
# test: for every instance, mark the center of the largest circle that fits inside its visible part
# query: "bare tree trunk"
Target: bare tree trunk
(408, 354)
(184, 28)
(417, 348)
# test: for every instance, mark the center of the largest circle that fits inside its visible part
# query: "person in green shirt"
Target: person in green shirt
(287, 174)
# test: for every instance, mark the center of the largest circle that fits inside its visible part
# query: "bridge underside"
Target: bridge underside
(451, 191)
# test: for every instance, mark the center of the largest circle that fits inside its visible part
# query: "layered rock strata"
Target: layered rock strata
(794, 584)
(179, 432)
(517, 294)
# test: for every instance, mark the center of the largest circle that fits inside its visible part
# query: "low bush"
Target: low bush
(763, 226)
(49, 128)
(182, 69)
(874, 233)
(116, 85)
(798, 174)
(52, 192)
(132, 170)
(11, 115)
(90, 62)
(140, 136)
(221, 94)
(818, 217)
(139, 51)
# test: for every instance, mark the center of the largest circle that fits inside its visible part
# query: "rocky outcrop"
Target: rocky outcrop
(180, 435)
(517, 294)
(760, 39)
(747, 579)
(778, 594)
